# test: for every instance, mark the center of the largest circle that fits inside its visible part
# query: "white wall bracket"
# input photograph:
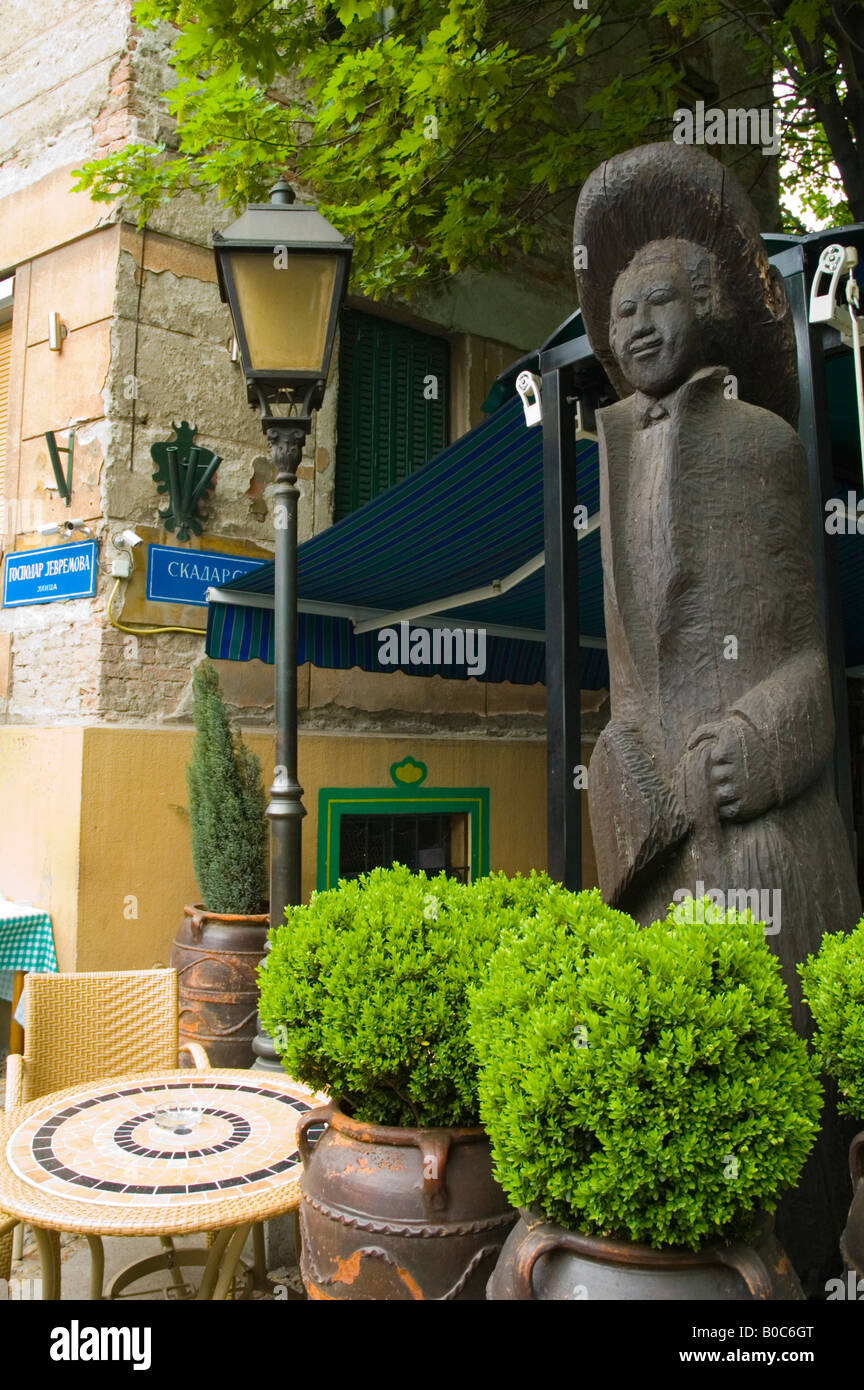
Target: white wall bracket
(528, 390)
(834, 262)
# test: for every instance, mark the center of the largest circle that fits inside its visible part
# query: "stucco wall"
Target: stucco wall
(114, 800)
(55, 647)
(147, 347)
(135, 856)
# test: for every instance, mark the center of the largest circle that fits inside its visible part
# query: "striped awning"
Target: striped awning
(471, 516)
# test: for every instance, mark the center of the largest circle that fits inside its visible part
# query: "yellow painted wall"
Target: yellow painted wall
(136, 869)
(40, 811)
(515, 774)
(135, 842)
(117, 797)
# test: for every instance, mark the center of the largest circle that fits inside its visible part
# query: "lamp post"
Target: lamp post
(283, 270)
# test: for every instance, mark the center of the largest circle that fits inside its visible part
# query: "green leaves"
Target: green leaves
(690, 1104)
(528, 98)
(349, 11)
(833, 983)
(805, 15)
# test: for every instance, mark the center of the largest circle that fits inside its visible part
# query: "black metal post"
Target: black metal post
(563, 694)
(814, 429)
(285, 811)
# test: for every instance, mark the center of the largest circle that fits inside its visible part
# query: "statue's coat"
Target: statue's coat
(733, 560)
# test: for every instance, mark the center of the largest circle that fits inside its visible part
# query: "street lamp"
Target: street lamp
(283, 270)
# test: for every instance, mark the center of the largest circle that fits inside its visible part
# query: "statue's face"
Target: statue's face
(655, 330)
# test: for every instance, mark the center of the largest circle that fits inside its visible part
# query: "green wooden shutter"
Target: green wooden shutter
(386, 425)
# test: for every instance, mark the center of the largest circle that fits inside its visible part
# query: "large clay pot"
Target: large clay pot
(216, 957)
(852, 1240)
(544, 1262)
(391, 1213)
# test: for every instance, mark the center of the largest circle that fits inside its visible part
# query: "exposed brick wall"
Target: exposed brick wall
(140, 682)
(55, 664)
(113, 125)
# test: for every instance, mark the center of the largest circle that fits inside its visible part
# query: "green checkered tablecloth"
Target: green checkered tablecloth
(26, 942)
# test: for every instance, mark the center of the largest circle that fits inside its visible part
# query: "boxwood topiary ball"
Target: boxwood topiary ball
(643, 1084)
(834, 989)
(366, 990)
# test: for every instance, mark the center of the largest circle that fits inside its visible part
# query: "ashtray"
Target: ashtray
(179, 1116)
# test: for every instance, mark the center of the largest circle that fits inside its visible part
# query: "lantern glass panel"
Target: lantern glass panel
(284, 300)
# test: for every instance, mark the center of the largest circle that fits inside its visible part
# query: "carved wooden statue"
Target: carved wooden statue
(714, 772)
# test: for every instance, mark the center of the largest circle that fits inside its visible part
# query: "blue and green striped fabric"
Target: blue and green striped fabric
(473, 514)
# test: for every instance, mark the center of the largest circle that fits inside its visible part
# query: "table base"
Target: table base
(219, 1262)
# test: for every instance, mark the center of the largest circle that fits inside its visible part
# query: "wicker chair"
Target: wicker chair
(80, 1027)
(7, 1226)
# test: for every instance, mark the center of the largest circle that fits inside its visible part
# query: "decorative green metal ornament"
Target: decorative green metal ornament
(186, 472)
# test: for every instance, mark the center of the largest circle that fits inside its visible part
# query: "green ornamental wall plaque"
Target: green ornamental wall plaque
(186, 471)
(410, 772)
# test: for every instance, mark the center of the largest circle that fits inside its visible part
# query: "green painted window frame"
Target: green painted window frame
(335, 802)
(385, 429)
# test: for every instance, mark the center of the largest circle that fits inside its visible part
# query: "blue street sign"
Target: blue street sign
(43, 576)
(184, 576)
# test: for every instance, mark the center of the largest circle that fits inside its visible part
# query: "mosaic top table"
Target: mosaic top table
(91, 1159)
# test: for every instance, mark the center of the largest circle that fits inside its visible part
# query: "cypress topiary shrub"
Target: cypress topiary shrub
(834, 990)
(644, 1084)
(365, 991)
(226, 807)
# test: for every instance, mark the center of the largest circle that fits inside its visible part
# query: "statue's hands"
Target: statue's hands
(739, 781)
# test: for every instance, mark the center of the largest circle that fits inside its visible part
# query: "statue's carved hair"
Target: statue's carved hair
(665, 200)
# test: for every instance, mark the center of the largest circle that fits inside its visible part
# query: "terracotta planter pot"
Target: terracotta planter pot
(216, 958)
(852, 1240)
(391, 1213)
(542, 1261)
